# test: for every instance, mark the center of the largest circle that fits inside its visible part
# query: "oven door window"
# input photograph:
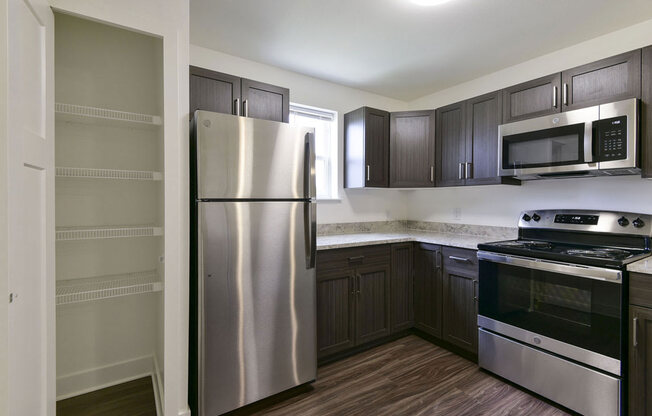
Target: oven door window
(575, 310)
(543, 148)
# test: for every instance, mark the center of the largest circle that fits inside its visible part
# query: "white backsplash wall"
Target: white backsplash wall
(500, 204)
(355, 205)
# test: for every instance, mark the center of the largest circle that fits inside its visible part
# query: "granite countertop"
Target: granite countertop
(327, 242)
(641, 266)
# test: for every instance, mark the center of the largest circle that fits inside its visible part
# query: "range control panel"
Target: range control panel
(576, 219)
(611, 138)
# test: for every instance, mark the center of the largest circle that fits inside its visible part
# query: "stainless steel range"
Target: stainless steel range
(552, 305)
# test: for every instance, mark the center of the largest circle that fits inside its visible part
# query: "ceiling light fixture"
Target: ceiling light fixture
(429, 2)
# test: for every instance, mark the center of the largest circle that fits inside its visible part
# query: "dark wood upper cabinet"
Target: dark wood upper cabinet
(428, 289)
(640, 361)
(265, 101)
(451, 144)
(612, 79)
(412, 149)
(401, 288)
(534, 98)
(366, 148)
(460, 316)
(646, 112)
(372, 303)
(213, 91)
(224, 93)
(335, 311)
(483, 116)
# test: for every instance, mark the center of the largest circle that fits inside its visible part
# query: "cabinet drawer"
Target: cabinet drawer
(353, 257)
(460, 258)
(640, 289)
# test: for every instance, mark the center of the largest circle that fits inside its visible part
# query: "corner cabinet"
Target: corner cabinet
(224, 93)
(401, 288)
(366, 148)
(428, 289)
(412, 149)
(640, 344)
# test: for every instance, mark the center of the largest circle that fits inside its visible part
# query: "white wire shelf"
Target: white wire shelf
(116, 231)
(105, 287)
(82, 113)
(139, 175)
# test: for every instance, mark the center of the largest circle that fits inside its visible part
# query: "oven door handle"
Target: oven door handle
(597, 273)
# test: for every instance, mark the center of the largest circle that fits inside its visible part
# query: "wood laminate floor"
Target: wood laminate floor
(133, 398)
(409, 376)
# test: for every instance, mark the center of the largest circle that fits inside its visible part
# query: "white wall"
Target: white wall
(355, 205)
(500, 205)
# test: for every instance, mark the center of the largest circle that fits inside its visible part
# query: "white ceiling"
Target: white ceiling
(398, 49)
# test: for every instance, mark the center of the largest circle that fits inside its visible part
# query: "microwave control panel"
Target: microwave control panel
(611, 139)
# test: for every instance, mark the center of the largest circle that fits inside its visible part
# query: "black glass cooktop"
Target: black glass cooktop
(571, 253)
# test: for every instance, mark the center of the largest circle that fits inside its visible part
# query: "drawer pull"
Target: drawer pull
(635, 332)
(356, 259)
(461, 259)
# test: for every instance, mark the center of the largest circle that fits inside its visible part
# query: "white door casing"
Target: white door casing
(30, 208)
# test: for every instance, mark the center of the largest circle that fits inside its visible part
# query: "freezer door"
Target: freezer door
(257, 319)
(247, 158)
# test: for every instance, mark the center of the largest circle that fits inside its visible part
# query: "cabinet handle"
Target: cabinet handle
(635, 332)
(462, 259)
(565, 93)
(355, 259)
(432, 174)
(475, 291)
(368, 173)
(438, 259)
(245, 107)
(460, 170)
(554, 96)
(359, 284)
(467, 170)
(352, 285)
(237, 106)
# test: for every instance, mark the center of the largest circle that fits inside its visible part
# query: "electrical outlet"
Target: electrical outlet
(457, 213)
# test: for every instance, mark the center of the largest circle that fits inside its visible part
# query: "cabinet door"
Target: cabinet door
(401, 288)
(483, 116)
(376, 149)
(460, 322)
(646, 113)
(451, 144)
(534, 98)
(372, 303)
(213, 91)
(335, 311)
(613, 79)
(428, 289)
(265, 101)
(412, 149)
(640, 361)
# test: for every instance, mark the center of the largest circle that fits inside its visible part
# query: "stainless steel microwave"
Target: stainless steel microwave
(593, 141)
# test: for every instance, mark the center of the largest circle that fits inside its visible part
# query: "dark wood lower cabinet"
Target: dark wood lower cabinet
(640, 361)
(401, 305)
(372, 303)
(335, 296)
(428, 289)
(459, 312)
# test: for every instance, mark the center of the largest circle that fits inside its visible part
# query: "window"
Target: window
(325, 124)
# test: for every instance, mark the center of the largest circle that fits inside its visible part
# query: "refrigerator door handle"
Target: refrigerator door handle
(310, 233)
(309, 167)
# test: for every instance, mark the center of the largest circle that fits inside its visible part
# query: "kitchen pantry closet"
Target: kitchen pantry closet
(109, 208)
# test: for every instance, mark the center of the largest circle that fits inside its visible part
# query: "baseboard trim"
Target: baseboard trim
(74, 384)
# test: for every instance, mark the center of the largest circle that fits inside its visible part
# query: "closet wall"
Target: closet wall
(109, 205)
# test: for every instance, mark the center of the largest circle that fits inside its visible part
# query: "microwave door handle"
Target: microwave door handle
(590, 139)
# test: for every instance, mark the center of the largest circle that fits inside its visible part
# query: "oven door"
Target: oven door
(571, 310)
(559, 143)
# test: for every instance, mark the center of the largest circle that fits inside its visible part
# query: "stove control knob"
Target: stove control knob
(623, 222)
(526, 217)
(638, 223)
(536, 217)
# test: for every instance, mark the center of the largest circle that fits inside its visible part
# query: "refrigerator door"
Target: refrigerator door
(247, 158)
(257, 314)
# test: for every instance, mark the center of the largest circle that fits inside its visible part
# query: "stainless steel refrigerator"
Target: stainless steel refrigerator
(253, 297)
